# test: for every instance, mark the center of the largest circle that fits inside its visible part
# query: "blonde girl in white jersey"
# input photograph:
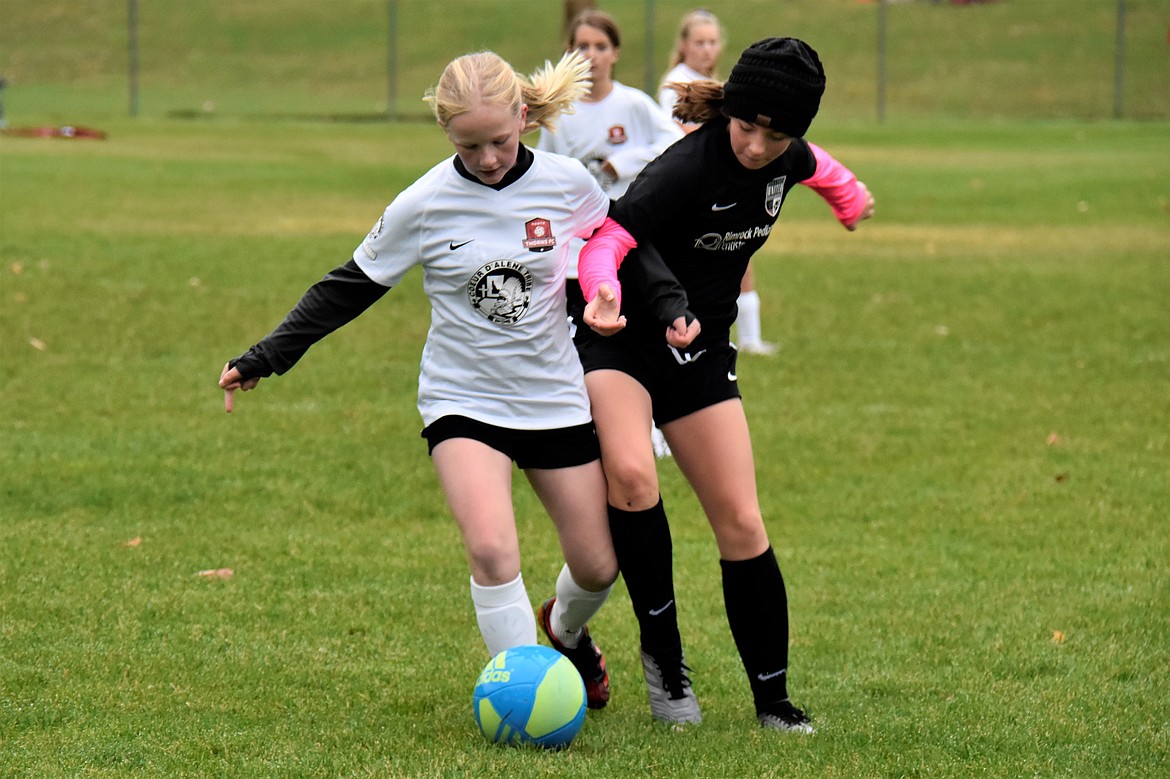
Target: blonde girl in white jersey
(500, 381)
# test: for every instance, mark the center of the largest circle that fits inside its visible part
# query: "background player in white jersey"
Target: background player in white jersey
(615, 130)
(706, 205)
(500, 380)
(696, 54)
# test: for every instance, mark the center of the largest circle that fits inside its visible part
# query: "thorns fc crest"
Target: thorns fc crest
(539, 235)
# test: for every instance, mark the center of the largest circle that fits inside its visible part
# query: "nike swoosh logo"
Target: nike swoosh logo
(453, 246)
(656, 612)
(731, 376)
(773, 675)
(717, 207)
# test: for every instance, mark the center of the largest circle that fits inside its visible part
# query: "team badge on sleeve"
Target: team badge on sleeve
(540, 237)
(617, 135)
(373, 236)
(774, 195)
(501, 291)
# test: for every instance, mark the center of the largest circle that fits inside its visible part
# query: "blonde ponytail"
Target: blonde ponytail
(554, 89)
(485, 77)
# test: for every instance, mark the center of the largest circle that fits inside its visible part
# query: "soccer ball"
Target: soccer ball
(529, 695)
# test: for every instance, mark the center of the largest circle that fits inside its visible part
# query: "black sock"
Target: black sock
(757, 610)
(642, 542)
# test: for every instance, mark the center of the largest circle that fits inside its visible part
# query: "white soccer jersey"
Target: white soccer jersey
(680, 74)
(626, 128)
(494, 265)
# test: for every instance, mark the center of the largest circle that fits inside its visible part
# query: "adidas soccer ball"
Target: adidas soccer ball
(530, 695)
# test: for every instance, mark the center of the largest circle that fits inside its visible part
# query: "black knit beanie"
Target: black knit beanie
(777, 83)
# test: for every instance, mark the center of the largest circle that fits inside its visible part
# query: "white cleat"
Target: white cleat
(760, 348)
(671, 698)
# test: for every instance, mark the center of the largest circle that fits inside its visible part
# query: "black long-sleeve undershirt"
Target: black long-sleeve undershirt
(337, 299)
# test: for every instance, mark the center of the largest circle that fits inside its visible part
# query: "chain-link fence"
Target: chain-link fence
(373, 59)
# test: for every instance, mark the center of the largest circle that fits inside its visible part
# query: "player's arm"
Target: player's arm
(850, 199)
(661, 131)
(335, 300)
(646, 275)
(597, 272)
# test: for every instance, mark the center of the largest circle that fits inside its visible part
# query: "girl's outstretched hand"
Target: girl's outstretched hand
(867, 213)
(230, 380)
(602, 313)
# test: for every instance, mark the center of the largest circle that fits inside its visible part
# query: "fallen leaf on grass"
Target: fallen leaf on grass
(216, 573)
(16, 268)
(37, 344)
(1053, 439)
(133, 541)
(1061, 476)
(1058, 636)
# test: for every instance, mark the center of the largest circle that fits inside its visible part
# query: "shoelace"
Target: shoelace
(676, 684)
(586, 657)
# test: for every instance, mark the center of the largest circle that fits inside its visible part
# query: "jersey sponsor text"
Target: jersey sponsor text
(732, 239)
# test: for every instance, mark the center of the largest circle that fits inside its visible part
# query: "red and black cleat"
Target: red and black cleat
(586, 657)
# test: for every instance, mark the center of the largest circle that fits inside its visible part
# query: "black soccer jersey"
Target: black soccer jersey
(706, 215)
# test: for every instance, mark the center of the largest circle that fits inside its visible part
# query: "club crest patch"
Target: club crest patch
(539, 235)
(774, 195)
(501, 291)
(373, 236)
(617, 135)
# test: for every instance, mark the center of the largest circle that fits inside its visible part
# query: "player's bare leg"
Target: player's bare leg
(477, 482)
(575, 499)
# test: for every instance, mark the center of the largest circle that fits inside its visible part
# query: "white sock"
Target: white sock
(748, 323)
(504, 614)
(574, 607)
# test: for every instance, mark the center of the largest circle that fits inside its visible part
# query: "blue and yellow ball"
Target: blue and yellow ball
(530, 695)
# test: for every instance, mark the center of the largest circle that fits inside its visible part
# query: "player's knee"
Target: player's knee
(632, 485)
(740, 535)
(493, 562)
(595, 574)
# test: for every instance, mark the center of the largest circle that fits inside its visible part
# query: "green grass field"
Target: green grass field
(963, 451)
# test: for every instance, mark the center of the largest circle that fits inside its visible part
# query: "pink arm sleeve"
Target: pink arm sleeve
(838, 186)
(601, 257)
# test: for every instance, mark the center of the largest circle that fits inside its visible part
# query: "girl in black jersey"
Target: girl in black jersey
(705, 205)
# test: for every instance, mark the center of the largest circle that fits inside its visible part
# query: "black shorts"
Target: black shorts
(680, 382)
(562, 447)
